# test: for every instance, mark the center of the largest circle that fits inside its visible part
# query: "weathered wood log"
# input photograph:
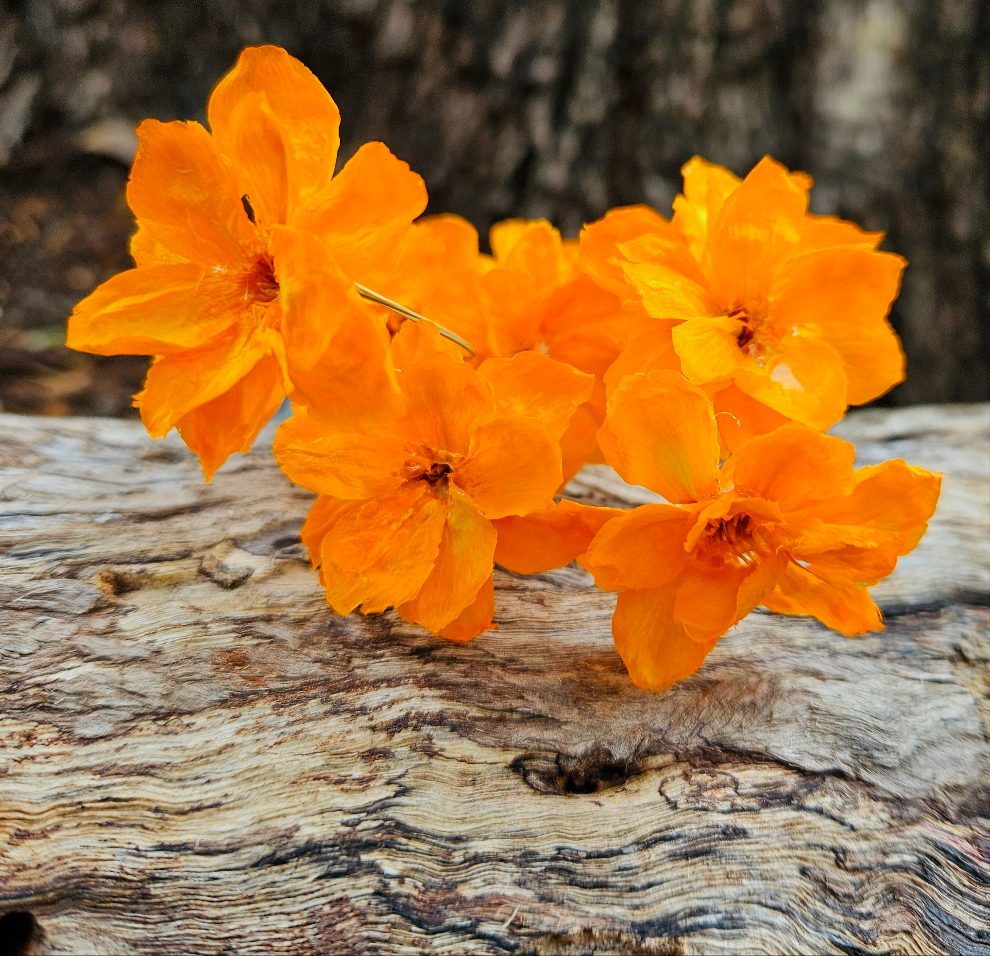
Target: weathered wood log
(199, 756)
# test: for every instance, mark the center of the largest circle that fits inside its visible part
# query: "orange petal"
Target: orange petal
(706, 187)
(850, 611)
(366, 209)
(515, 469)
(176, 384)
(463, 566)
(146, 251)
(155, 310)
(657, 651)
(706, 599)
(652, 348)
(794, 466)
(741, 417)
(336, 346)
(475, 618)
(667, 293)
(535, 386)
(584, 326)
(660, 432)
(708, 349)
(416, 341)
(231, 421)
(185, 194)
(306, 113)
(448, 401)
(642, 548)
(380, 554)
(804, 379)
(823, 232)
(843, 295)
(349, 465)
(579, 444)
(550, 538)
(893, 496)
(599, 256)
(324, 514)
(758, 227)
(254, 143)
(459, 237)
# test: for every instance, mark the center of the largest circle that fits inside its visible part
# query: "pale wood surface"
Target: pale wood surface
(198, 756)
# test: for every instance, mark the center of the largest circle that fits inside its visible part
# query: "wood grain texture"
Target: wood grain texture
(199, 756)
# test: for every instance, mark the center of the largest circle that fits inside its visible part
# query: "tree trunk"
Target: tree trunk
(199, 756)
(556, 108)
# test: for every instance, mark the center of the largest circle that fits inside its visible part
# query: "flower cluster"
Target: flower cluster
(443, 397)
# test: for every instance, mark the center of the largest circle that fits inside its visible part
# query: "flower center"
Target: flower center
(435, 475)
(732, 540)
(263, 284)
(751, 335)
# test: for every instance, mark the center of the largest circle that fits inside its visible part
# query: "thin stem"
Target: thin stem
(400, 309)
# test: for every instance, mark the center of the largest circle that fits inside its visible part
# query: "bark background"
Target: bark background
(530, 108)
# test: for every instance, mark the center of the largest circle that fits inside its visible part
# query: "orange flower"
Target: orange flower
(247, 251)
(786, 522)
(780, 315)
(530, 296)
(411, 514)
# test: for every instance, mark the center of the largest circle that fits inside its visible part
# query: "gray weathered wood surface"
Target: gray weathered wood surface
(196, 755)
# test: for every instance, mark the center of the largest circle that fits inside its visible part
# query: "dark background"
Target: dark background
(534, 108)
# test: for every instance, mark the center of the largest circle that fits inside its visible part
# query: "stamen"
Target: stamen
(248, 208)
(399, 309)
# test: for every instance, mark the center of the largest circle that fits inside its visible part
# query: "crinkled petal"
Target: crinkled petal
(793, 465)
(185, 195)
(803, 379)
(255, 144)
(231, 421)
(308, 117)
(667, 293)
(145, 250)
(515, 469)
(657, 651)
(475, 618)
(642, 548)
(706, 187)
(349, 465)
(660, 432)
(448, 401)
(843, 296)
(579, 444)
(892, 496)
(366, 210)
(708, 349)
(155, 310)
(535, 386)
(336, 347)
(741, 417)
(550, 538)
(756, 229)
(324, 514)
(176, 384)
(463, 566)
(599, 255)
(651, 348)
(850, 611)
(380, 554)
(824, 232)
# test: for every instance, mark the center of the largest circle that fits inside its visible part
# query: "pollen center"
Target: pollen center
(436, 475)
(748, 335)
(731, 540)
(264, 285)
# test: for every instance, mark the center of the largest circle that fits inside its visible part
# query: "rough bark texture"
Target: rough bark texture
(198, 756)
(531, 108)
